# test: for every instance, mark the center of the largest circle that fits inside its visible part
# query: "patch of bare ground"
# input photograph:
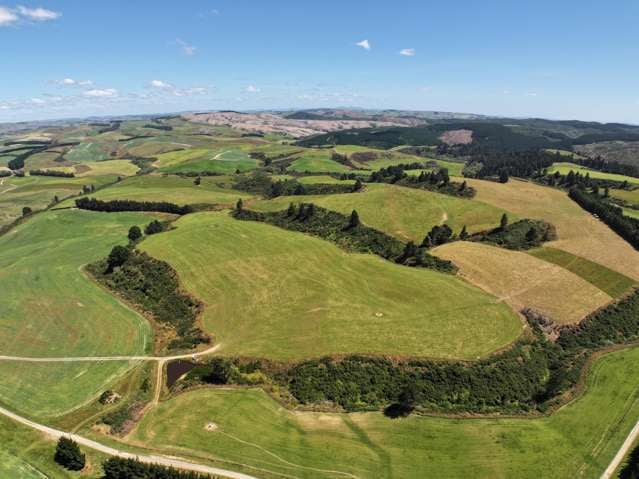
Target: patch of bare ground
(457, 137)
(270, 123)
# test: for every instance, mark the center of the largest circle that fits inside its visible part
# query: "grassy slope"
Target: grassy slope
(37, 192)
(565, 168)
(171, 188)
(273, 293)
(255, 430)
(579, 233)
(220, 159)
(629, 196)
(609, 281)
(317, 161)
(525, 281)
(407, 213)
(49, 308)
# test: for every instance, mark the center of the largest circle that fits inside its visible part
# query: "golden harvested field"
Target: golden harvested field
(521, 280)
(579, 232)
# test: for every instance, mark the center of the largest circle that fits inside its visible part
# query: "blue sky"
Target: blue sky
(561, 59)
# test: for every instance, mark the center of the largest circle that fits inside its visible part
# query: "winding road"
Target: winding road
(148, 459)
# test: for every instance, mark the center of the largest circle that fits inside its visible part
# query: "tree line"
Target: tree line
(624, 226)
(436, 180)
(57, 173)
(347, 232)
(94, 204)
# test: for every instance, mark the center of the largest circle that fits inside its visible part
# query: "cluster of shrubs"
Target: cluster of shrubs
(57, 173)
(521, 235)
(152, 285)
(438, 181)
(262, 184)
(347, 232)
(130, 205)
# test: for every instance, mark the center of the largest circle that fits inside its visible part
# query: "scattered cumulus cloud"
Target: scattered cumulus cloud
(187, 49)
(7, 17)
(365, 44)
(252, 89)
(530, 93)
(21, 14)
(38, 101)
(214, 12)
(104, 93)
(165, 87)
(407, 52)
(161, 85)
(72, 82)
(38, 14)
(426, 88)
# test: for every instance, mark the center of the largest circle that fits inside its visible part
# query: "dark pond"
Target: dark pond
(176, 369)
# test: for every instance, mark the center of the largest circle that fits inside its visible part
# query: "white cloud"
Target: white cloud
(365, 44)
(426, 88)
(161, 85)
(7, 17)
(188, 50)
(252, 89)
(38, 14)
(37, 101)
(530, 93)
(72, 82)
(105, 93)
(407, 52)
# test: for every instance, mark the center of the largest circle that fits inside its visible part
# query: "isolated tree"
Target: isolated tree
(117, 257)
(504, 221)
(26, 211)
(606, 192)
(68, 455)
(134, 233)
(462, 187)
(358, 185)
(503, 176)
(197, 181)
(443, 176)
(354, 222)
(239, 206)
(463, 235)
(56, 199)
(153, 227)
(437, 235)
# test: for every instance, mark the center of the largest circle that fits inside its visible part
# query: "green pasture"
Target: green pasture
(407, 213)
(579, 440)
(273, 293)
(565, 168)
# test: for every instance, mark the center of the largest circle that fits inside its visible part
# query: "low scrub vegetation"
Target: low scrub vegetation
(153, 286)
(521, 235)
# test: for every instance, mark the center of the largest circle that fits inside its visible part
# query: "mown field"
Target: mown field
(579, 233)
(609, 281)
(565, 168)
(522, 280)
(579, 440)
(222, 159)
(407, 213)
(174, 189)
(272, 293)
(50, 309)
(37, 192)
